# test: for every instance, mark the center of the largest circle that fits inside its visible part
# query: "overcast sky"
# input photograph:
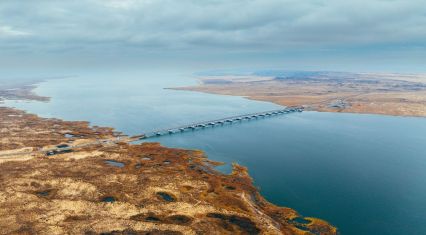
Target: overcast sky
(294, 34)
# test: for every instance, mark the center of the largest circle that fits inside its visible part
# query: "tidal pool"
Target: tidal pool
(115, 163)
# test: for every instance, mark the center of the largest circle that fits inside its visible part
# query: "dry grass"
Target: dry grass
(158, 190)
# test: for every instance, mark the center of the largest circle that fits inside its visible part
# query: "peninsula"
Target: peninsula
(374, 93)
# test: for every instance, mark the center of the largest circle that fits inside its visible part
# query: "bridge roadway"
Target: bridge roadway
(222, 121)
(64, 148)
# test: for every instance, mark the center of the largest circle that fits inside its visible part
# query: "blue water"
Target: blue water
(134, 102)
(366, 174)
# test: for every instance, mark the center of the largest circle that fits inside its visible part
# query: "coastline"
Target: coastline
(364, 94)
(10, 90)
(229, 201)
(307, 107)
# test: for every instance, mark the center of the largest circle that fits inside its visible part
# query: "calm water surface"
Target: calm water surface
(366, 174)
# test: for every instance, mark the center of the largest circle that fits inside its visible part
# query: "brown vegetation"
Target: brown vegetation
(126, 189)
(19, 129)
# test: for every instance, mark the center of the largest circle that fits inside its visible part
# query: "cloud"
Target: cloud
(211, 26)
(123, 4)
(7, 31)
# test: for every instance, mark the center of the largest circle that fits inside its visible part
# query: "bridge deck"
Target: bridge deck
(212, 123)
(124, 139)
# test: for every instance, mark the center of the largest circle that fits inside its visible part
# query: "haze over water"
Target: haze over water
(364, 174)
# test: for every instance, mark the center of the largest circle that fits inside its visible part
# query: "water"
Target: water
(360, 172)
(115, 163)
(165, 196)
(135, 103)
(366, 174)
(109, 199)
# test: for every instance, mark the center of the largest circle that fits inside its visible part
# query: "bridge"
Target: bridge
(217, 122)
(65, 148)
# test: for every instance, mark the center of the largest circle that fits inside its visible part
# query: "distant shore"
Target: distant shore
(20, 91)
(386, 94)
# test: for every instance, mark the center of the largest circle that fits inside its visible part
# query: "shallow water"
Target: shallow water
(366, 174)
(108, 199)
(115, 163)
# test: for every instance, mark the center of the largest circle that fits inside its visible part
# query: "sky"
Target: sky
(355, 35)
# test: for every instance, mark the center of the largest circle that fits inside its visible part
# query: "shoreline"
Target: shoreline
(229, 201)
(307, 108)
(24, 92)
(349, 93)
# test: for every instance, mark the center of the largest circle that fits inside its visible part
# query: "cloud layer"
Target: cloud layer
(211, 26)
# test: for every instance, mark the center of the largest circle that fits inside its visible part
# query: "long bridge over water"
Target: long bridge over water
(218, 122)
(65, 148)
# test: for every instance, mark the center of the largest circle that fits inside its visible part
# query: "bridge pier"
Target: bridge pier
(221, 122)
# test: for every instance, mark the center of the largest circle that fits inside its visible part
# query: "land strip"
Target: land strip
(389, 94)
